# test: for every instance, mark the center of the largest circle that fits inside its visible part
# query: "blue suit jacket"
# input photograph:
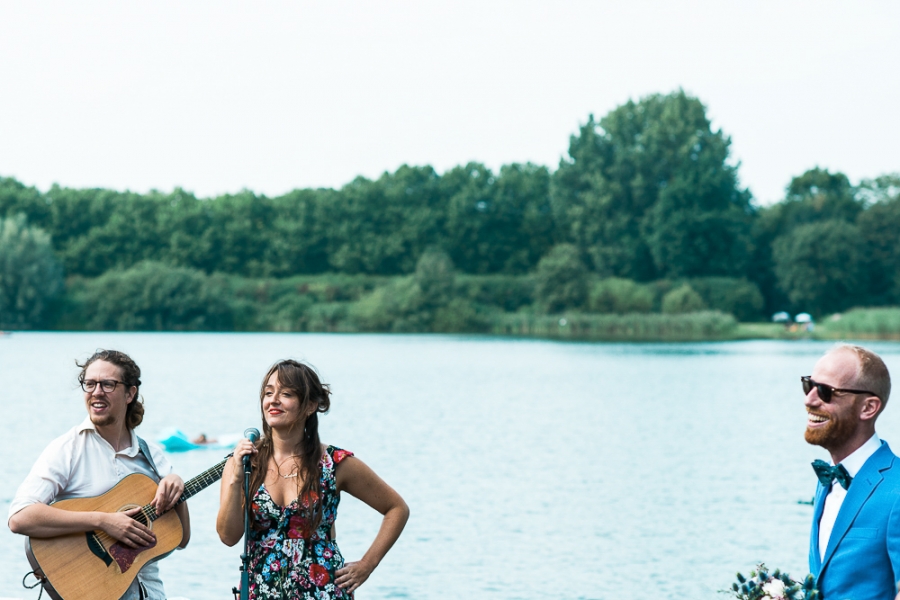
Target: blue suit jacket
(862, 560)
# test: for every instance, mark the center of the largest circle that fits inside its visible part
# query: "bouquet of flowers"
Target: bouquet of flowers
(775, 585)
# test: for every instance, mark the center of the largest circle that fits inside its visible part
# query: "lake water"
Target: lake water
(533, 469)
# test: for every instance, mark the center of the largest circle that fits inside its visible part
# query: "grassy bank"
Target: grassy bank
(882, 323)
(697, 326)
(156, 297)
(863, 324)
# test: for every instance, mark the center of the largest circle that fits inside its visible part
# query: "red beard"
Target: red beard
(837, 430)
(103, 421)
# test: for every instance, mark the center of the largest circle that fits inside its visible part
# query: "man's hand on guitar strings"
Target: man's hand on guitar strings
(123, 527)
(170, 489)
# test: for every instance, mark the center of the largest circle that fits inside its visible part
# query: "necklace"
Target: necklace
(278, 467)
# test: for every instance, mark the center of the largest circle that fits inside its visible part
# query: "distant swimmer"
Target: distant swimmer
(202, 439)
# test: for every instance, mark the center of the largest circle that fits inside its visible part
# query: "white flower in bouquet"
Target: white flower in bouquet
(774, 589)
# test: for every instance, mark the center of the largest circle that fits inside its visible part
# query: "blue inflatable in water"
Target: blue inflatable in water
(174, 440)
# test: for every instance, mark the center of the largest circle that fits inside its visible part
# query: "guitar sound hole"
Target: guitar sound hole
(140, 517)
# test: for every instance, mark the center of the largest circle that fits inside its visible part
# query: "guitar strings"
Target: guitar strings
(193, 486)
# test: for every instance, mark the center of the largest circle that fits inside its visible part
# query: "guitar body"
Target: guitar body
(92, 565)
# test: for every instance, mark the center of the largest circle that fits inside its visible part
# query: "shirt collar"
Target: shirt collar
(88, 425)
(858, 458)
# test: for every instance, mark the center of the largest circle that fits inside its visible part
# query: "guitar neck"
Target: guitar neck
(191, 487)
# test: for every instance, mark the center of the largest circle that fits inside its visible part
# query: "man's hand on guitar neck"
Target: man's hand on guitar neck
(170, 489)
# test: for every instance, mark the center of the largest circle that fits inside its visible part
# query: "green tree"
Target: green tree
(30, 276)
(878, 225)
(816, 196)
(522, 191)
(95, 230)
(620, 296)
(561, 280)
(239, 230)
(435, 277)
(648, 192)
(152, 296)
(184, 225)
(394, 307)
(440, 307)
(469, 190)
(16, 199)
(880, 189)
(682, 299)
(506, 292)
(300, 232)
(738, 297)
(381, 227)
(501, 224)
(821, 266)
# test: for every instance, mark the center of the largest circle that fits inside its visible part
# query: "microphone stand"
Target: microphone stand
(252, 435)
(245, 556)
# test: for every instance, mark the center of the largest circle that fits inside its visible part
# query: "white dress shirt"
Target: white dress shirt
(80, 464)
(836, 495)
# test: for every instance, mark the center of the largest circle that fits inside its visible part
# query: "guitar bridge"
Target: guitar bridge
(97, 548)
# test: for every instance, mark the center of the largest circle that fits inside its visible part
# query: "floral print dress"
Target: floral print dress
(285, 561)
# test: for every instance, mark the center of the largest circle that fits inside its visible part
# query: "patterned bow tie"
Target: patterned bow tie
(828, 474)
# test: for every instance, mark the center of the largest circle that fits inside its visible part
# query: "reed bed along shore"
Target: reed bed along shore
(697, 326)
(156, 297)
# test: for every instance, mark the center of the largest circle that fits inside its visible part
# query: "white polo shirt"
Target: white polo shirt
(81, 464)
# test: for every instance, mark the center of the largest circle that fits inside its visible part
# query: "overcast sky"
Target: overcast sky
(219, 96)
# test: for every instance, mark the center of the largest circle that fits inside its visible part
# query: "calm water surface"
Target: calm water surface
(533, 469)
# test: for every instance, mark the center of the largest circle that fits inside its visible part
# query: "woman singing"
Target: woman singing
(296, 485)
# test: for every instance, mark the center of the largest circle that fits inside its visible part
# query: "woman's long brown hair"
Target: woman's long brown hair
(303, 381)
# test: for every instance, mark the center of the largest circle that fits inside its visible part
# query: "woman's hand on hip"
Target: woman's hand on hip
(352, 575)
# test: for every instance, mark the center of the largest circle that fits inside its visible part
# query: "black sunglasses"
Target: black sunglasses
(826, 391)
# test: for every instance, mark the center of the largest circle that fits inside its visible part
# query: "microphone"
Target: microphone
(252, 434)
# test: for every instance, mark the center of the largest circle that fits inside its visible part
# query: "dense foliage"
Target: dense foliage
(30, 276)
(648, 193)
(645, 215)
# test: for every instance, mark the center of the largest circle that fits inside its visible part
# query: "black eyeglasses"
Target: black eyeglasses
(826, 391)
(107, 385)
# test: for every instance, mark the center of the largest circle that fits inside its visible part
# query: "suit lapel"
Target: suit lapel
(860, 491)
(815, 555)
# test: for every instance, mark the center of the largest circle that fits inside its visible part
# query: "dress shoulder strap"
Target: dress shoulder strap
(337, 454)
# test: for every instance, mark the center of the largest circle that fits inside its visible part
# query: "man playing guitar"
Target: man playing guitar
(90, 459)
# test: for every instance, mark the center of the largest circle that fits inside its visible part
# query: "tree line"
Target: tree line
(646, 202)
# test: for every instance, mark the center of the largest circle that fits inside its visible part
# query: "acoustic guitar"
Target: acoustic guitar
(92, 565)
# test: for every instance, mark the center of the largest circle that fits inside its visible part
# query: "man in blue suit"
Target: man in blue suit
(854, 548)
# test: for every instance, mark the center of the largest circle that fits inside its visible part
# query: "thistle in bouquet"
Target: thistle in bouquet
(763, 584)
